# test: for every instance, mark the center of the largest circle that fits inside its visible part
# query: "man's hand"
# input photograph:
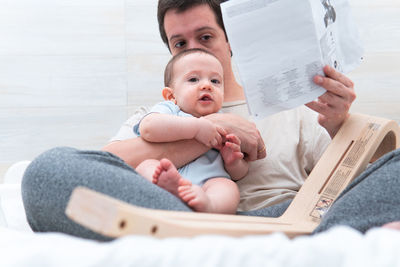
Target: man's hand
(333, 106)
(252, 145)
(208, 133)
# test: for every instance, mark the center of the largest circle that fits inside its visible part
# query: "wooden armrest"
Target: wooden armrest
(360, 140)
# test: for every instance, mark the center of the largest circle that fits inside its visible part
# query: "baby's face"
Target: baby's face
(198, 84)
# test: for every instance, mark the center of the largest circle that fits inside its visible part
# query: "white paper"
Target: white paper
(280, 45)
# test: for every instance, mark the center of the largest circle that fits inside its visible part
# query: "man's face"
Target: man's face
(197, 28)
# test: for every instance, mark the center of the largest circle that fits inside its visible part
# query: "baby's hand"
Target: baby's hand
(231, 152)
(208, 133)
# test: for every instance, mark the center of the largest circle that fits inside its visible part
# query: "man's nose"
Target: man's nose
(193, 44)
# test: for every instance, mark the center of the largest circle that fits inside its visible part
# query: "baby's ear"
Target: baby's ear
(168, 94)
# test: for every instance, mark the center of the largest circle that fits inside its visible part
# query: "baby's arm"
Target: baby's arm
(234, 163)
(156, 127)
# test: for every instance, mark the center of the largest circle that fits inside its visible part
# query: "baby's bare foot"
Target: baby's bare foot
(195, 197)
(167, 176)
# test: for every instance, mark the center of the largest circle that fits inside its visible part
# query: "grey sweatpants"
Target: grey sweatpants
(371, 200)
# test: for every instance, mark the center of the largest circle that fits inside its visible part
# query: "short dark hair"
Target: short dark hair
(183, 5)
(169, 69)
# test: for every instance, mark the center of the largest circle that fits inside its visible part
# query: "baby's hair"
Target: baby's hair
(168, 73)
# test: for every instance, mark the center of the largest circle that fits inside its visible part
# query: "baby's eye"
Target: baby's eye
(193, 80)
(215, 81)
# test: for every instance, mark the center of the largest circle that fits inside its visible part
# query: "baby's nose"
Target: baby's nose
(206, 86)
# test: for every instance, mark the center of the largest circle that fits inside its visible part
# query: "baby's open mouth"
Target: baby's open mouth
(206, 98)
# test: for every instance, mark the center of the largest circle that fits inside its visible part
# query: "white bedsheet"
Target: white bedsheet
(340, 246)
(12, 214)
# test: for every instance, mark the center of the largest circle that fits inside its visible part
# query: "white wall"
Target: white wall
(378, 78)
(71, 71)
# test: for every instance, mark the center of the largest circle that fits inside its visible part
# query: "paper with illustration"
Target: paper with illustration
(280, 45)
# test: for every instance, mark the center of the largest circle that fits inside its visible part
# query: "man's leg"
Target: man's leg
(50, 179)
(371, 200)
(271, 211)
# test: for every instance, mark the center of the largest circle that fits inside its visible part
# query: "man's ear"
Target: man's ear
(230, 49)
(168, 94)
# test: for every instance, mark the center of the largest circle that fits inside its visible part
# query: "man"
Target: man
(269, 182)
(293, 141)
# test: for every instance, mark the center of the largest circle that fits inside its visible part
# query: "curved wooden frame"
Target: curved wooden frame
(361, 139)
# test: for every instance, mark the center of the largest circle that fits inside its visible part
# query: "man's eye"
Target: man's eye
(215, 81)
(205, 37)
(179, 44)
(193, 80)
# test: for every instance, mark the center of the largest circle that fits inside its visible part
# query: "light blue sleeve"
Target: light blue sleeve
(166, 107)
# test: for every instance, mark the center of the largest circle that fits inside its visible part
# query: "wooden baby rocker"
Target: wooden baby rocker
(361, 139)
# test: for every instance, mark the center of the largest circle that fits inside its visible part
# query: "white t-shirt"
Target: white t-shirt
(294, 141)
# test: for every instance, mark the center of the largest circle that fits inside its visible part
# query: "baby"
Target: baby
(194, 88)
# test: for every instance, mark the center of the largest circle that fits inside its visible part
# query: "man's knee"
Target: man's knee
(44, 164)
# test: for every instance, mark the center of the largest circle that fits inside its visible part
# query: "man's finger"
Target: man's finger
(338, 76)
